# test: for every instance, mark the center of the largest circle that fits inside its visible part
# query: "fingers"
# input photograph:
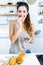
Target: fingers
(21, 19)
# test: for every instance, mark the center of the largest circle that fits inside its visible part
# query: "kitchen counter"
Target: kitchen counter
(29, 59)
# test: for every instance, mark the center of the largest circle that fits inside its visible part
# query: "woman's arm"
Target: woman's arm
(13, 36)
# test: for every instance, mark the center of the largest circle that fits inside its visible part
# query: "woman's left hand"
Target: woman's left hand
(29, 41)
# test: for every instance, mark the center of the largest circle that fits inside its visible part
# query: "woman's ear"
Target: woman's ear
(27, 13)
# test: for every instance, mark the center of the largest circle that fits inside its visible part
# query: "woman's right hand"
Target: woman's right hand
(19, 23)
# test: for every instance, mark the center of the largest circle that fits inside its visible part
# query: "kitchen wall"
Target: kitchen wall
(37, 46)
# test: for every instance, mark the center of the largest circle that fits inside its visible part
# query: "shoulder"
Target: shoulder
(12, 22)
(33, 27)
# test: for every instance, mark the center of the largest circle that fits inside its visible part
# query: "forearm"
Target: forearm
(15, 36)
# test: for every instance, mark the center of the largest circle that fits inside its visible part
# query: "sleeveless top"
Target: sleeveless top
(19, 45)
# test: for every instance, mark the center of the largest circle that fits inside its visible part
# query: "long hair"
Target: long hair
(27, 24)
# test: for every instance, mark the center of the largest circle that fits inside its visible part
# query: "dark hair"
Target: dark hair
(27, 22)
(22, 4)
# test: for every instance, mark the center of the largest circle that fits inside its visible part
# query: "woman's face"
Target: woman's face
(22, 12)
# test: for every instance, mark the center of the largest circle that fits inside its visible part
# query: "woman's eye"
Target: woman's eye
(24, 11)
(19, 11)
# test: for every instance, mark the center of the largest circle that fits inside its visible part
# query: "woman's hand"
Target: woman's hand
(19, 23)
(28, 40)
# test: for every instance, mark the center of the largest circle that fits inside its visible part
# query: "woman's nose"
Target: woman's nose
(22, 14)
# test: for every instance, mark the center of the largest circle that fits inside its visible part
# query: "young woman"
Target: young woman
(21, 32)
